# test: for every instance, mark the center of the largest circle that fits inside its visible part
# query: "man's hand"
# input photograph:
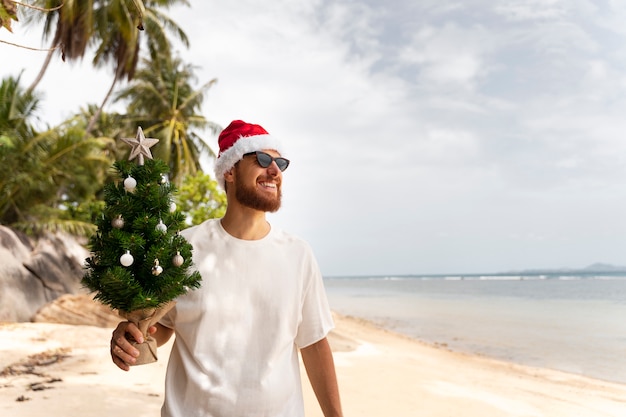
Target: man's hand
(122, 351)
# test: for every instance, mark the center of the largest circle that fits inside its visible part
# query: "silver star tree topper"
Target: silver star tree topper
(140, 146)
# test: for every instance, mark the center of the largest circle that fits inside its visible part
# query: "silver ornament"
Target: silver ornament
(178, 260)
(118, 222)
(157, 269)
(140, 146)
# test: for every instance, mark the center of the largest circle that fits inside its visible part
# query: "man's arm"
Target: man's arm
(320, 368)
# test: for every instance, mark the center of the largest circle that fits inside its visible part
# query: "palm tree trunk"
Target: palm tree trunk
(96, 115)
(43, 69)
(53, 47)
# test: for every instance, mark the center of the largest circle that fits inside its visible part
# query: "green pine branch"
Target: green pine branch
(135, 287)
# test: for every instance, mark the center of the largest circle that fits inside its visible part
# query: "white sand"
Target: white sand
(380, 374)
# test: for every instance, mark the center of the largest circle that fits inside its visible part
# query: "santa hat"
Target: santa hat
(237, 139)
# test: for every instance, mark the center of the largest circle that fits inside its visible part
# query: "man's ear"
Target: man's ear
(229, 176)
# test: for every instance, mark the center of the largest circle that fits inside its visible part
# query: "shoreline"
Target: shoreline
(388, 367)
(380, 372)
(572, 326)
(343, 345)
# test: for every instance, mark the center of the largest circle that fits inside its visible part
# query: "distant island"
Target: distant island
(598, 267)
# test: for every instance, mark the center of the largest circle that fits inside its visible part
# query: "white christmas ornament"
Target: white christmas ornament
(127, 259)
(178, 260)
(130, 184)
(161, 227)
(118, 222)
(172, 207)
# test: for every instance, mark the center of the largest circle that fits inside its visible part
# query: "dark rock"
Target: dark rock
(35, 272)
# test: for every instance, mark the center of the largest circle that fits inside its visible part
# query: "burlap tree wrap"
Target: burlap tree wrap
(144, 319)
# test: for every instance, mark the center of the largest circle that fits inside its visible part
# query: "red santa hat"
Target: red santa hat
(240, 138)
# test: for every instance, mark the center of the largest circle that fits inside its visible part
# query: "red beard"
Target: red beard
(251, 197)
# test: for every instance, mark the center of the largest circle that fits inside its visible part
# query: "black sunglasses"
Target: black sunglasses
(265, 160)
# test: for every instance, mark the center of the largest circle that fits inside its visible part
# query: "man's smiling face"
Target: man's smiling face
(257, 187)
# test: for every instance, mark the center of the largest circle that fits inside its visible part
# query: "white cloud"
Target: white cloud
(448, 54)
(521, 10)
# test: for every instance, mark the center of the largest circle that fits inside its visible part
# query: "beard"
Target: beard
(250, 197)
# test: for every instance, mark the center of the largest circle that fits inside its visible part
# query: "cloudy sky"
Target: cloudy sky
(426, 137)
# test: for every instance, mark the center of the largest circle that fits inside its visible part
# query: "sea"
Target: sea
(569, 322)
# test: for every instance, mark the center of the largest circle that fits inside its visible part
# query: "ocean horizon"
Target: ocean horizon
(571, 321)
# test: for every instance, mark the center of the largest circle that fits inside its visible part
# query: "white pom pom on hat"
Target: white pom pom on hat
(238, 139)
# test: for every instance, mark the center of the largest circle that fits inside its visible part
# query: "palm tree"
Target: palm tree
(121, 46)
(73, 25)
(164, 103)
(113, 27)
(51, 172)
(17, 109)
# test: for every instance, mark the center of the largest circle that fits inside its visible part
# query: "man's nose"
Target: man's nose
(273, 168)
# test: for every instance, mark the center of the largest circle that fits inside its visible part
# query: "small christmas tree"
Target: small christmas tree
(140, 263)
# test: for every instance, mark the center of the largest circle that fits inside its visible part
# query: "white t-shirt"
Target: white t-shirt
(237, 336)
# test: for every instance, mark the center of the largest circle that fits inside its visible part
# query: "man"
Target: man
(262, 299)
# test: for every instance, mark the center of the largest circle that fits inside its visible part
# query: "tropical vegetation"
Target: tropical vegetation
(54, 176)
(162, 100)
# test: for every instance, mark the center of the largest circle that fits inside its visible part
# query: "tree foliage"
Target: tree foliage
(112, 27)
(164, 102)
(54, 176)
(200, 198)
(8, 12)
(138, 222)
(51, 177)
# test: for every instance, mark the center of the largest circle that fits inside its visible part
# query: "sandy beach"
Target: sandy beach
(60, 370)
